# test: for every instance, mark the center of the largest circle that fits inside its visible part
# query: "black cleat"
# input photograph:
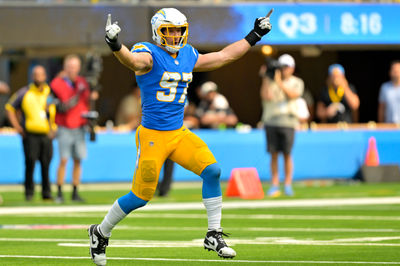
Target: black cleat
(77, 198)
(215, 242)
(98, 245)
(48, 198)
(29, 197)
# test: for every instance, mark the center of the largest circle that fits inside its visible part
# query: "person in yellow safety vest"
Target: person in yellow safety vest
(33, 118)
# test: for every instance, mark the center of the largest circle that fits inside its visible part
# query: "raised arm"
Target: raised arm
(138, 62)
(235, 50)
(230, 53)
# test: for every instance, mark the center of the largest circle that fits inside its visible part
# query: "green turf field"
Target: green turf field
(352, 234)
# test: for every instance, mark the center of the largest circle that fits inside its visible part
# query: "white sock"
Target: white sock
(114, 216)
(214, 208)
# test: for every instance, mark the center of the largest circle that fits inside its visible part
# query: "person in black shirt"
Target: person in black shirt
(339, 100)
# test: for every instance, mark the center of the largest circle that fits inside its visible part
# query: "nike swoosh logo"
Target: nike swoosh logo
(94, 241)
(212, 242)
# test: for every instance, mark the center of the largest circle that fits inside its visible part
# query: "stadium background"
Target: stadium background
(363, 37)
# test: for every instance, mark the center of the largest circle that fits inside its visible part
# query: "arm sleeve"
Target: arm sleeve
(62, 106)
(15, 102)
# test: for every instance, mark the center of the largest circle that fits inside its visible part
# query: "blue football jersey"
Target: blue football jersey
(164, 88)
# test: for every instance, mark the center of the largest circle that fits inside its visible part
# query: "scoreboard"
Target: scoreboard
(323, 23)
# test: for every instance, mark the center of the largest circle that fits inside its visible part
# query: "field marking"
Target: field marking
(204, 260)
(139, 214)
(186, 245)
(243, 204)
(189, 228)
(116, 243)
(266, 216)
(20, 239)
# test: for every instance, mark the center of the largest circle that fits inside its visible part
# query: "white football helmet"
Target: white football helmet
(169, 18)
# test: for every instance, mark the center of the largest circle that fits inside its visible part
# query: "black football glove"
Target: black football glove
(112, 31)
(261, 27)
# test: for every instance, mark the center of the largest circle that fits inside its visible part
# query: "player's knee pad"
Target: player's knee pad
(146, 182)
(130, 202)
(149, 170)
(211, 172)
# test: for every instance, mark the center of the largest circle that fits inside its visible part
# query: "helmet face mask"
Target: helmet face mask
(176, 41)
(163, 22)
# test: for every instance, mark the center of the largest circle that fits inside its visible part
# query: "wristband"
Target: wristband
(252, 38)
(114, 45)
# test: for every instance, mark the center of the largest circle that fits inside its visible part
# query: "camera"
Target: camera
(272, 65)
(91, 117)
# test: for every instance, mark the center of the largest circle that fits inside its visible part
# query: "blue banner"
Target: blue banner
(323, 23)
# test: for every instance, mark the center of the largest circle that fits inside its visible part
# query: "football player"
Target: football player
(163, 72)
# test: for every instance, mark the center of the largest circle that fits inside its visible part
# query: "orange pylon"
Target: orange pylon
(245, 183)
(372, 158)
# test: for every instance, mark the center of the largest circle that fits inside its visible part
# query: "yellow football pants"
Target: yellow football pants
(154, 147)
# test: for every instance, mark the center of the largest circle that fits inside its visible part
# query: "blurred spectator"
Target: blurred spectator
(339, 101)
(36, 128)
(129, 110)
(4, 93)
(190, 119)
(309, 99)
(73, 94)
(214, 110)
(279, 93)
(389, 96)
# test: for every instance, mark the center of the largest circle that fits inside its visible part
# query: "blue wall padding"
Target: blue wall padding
(317, 154)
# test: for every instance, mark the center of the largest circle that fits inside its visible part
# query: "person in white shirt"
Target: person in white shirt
(389, 96)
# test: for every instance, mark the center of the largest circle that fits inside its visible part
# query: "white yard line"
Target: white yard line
(232, 243)
(189, 228)
(144, 215)
(243, 204)
(204, 260)
(116, 243)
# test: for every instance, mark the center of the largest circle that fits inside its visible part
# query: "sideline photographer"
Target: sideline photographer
(279, 92)
(73, 105)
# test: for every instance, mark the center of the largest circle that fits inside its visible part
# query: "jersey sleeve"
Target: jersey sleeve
(15, 102)
(194, 52)
(141, 48)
